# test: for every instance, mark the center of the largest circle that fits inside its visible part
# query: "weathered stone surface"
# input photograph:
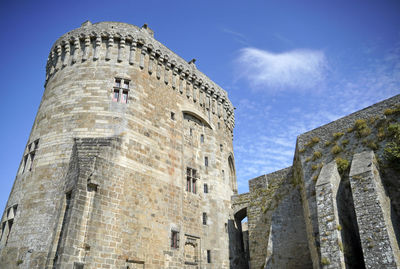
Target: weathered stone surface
(372, 206)
(331, 245)
(107, 185)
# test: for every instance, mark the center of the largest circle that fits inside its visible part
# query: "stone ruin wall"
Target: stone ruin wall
(107, 184)
(340, 211)
(338, 206)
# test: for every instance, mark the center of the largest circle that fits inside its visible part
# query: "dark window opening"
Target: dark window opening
(32, 154)
(202, 138)
(124, 99)
(191, 131)
(221, 147)
(204, 218)
(191, 178)
(172, 116)
(206, 161)
(120, 91)
(208, 256)
(115, 95)
(205, 188)
(174, 239)
(7, 224)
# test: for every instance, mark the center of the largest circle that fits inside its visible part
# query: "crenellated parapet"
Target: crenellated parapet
(124, 43)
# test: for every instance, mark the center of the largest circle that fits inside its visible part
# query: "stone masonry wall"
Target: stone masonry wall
(107, 185)
(369, 129)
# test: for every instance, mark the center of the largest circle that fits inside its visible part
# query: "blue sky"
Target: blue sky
(288, 66)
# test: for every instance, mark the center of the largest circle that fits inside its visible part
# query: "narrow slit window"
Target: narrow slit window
(221, 147)
(202, 138)
(208, 256)
(174, 239)
(204, 218)
(172, 116)
(206, 161)
(205, 188)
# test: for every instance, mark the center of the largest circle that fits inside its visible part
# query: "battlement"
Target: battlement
(121, 43)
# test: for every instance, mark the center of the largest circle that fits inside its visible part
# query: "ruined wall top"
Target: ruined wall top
(119, 35)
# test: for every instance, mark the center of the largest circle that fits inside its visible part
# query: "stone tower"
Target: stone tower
(129, 163)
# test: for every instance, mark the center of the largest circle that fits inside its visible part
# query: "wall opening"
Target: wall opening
(348, 225)
(239, 240)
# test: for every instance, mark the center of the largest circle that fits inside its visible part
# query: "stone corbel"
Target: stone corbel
(86, 49)
(219, 107)
(151, 60)
(201, 95)
(121, 49)
(76, 50)
(142, 55)
(159, 66)
(188, 84)
(174, 75)
(181, 79)
(208, 98)
(196, 85)
(166, 70)
(97, 48)
(58, 60)
(67, 52)
(214, 103)
(132, 52)
(52, 57)
(110, 44)
(225, 111)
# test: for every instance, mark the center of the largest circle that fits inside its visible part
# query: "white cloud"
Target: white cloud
(294, 70)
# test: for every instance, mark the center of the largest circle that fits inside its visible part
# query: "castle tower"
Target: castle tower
(129, 163)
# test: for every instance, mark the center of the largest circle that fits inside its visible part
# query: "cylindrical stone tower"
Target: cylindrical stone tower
(129, 163)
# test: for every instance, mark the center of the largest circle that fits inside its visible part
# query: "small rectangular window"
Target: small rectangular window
(126, 84)
(172, 116)
(206, 161)
(191, 131)
(208, 256)
(223, 174)
(25, 161)
(205, 188)
(36, 144)
(191, 178)
(221, 147)
(204, 218)
(116, 95)
(32, 154)
(174, 239)
(117, 83)
(202, 138)
(124, 99)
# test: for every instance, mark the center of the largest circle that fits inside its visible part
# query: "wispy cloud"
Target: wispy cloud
(265, 139)
(292, 70)
(239, 37)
